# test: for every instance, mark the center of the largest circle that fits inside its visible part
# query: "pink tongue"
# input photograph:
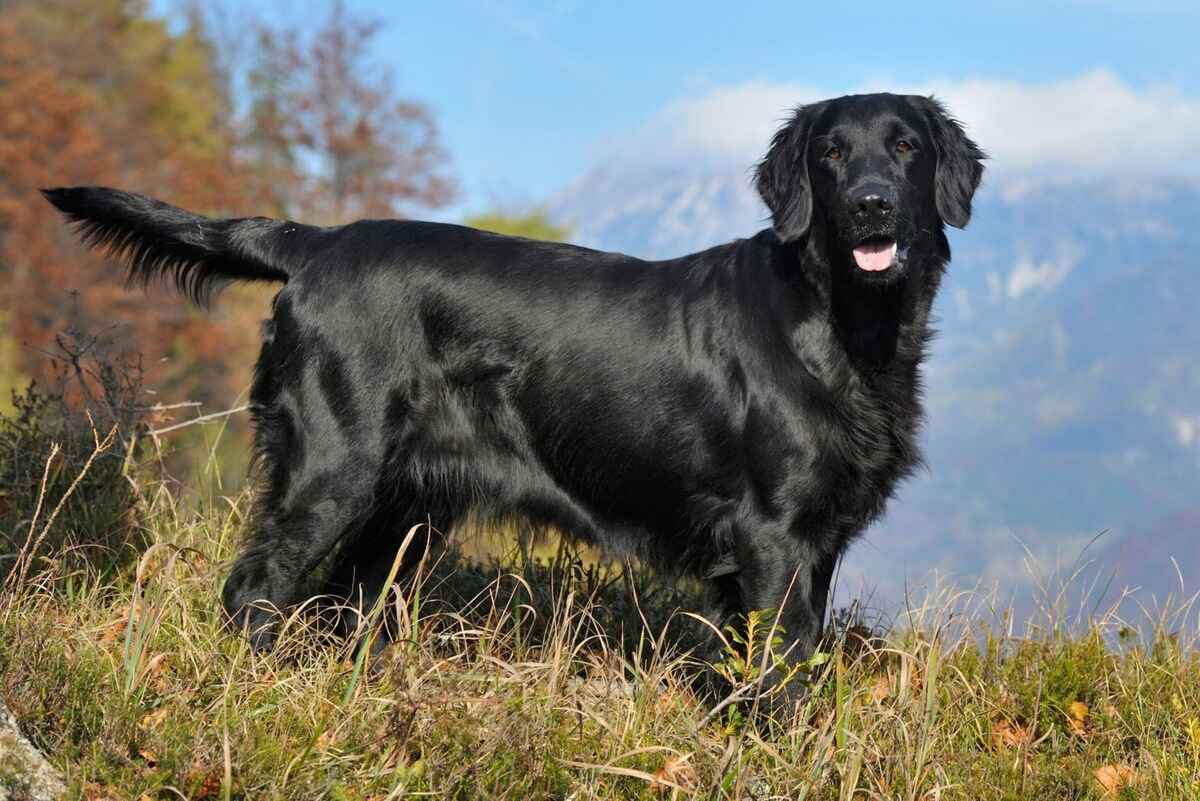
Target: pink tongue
(875, 256)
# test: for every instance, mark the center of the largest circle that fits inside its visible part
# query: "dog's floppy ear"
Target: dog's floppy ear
(959, 164)
(782, 176)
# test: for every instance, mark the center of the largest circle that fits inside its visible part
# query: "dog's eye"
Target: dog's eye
(833, 154)
(903, 146)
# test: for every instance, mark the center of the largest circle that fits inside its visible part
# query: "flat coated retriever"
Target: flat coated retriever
(741, 413)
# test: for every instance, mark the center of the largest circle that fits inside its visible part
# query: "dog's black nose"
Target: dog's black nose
(872, 201)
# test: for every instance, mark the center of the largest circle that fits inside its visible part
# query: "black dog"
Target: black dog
(740, 413)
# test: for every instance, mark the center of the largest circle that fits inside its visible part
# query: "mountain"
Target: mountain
(1063, 390)
(659, 212)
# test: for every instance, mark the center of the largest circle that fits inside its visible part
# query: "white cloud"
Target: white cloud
(1092, 125)
(1187, 430)
(731, 123)
(1029, 275)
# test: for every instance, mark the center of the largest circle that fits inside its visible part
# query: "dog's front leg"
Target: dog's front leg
(788, 578)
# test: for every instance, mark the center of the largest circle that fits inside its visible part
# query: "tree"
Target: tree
(149, 106)
(330, 139)
(130, 104)
(531, 225)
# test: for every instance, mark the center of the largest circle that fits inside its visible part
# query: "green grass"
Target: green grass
(534, 677)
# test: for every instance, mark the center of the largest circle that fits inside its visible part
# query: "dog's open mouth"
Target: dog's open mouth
(875, 254)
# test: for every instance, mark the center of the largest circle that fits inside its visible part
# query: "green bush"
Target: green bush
(65, 449)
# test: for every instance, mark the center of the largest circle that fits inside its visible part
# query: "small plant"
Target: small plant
(756, 663)
(53, 432)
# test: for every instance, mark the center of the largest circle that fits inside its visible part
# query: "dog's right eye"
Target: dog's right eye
(833, 154)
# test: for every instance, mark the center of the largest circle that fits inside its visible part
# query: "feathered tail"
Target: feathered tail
(157, 241)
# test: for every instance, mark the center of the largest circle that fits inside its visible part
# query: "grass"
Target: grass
(554, 678)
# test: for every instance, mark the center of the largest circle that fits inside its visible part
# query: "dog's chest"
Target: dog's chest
(878, 424)
(835, 458)
(875, 444)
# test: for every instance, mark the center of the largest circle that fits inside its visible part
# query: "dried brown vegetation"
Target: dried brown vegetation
(527, 678)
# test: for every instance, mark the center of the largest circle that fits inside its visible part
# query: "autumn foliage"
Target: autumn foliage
(311, 101)
(104, 92)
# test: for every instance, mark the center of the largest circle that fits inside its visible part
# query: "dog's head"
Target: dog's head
(881, 174)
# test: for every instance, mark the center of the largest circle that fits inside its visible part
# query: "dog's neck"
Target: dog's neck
(845, 328)
(866, 321)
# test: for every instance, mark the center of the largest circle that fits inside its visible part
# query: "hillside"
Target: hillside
(525, 680)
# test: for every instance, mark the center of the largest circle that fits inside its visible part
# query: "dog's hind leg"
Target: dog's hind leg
(362, 567)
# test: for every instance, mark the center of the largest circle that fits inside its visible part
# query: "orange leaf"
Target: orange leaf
(93, 791)
(151, 719)
(1113, 777)
(154, 670)
(882, 689)
(1077, 716)
(1007, 735)
(208, 787)
(676, 771)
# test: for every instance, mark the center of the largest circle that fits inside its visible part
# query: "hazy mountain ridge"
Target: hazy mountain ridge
(1063, 395)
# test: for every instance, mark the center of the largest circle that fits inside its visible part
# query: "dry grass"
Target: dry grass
(529, 680)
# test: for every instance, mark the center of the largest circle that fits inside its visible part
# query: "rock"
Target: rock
(25, 775)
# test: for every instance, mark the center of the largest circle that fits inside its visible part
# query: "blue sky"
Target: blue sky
(531, 95)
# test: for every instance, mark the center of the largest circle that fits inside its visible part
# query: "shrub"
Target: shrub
(64, 453)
